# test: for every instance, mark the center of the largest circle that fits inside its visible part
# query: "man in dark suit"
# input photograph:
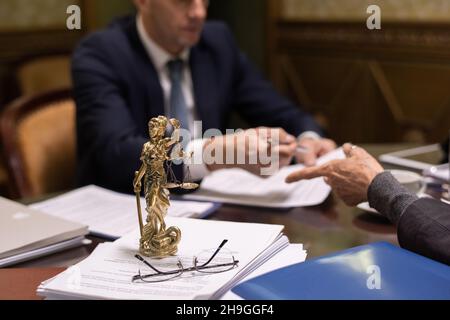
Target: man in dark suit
(168, 61)
(423, 225)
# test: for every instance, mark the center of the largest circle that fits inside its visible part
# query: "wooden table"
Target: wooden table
(323, 229)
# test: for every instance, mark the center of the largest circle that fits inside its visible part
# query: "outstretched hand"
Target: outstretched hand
(350, 178)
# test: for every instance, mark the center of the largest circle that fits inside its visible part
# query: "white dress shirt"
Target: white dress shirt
(160, 58)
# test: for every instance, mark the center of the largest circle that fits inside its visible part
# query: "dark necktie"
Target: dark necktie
(178, 107)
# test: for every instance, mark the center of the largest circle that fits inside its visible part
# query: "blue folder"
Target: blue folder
(375, 271)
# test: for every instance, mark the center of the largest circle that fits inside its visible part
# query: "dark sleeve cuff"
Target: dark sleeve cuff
(389, 197)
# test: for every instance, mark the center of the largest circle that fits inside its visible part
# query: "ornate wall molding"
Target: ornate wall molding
(355, 10)
(388, 85)
(33, 15)
(415, 36)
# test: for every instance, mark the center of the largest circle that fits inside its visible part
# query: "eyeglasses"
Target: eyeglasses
(207, 262)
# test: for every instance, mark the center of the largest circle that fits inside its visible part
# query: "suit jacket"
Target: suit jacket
(424, 228)
(423, 225)
(117, 91)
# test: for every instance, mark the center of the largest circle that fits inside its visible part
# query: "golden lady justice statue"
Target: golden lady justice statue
(157, 240)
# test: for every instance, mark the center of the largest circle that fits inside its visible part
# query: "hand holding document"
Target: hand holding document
(108, 272)
(311, 146)
(111, 214)
(240, 187)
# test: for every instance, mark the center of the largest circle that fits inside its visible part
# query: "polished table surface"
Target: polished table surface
(323, 229)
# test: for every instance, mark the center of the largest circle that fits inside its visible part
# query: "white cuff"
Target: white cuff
(196, 165)
(309, 134)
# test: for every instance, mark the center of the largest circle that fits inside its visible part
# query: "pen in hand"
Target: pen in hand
(301, 149)
(298, 148)
(305, 155)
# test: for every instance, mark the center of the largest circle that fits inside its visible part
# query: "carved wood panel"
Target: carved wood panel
(367, 86)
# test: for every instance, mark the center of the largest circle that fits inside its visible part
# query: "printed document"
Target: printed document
(107, 273)
(111, 214)
(238, 186)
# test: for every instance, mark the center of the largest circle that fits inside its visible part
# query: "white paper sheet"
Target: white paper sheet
(241, 187)
(107, 273)
(108, 213)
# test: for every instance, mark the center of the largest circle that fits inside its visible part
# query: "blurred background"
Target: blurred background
(364, 86)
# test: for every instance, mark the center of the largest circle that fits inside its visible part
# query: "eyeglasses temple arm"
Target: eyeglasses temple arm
(215, 253)
(146, 263)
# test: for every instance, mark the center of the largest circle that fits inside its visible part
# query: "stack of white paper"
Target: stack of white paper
(107, 273)
(241, 187)
(111, 214)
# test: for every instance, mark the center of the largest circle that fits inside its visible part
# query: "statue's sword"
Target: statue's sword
(138, 202)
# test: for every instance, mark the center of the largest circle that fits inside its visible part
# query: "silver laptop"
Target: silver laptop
(26, 233)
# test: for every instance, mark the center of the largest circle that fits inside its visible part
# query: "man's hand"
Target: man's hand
(313, 148)
(280, 143)
(253, 150)
(349, 178)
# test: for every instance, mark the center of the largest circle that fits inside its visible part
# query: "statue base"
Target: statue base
(161, 245)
